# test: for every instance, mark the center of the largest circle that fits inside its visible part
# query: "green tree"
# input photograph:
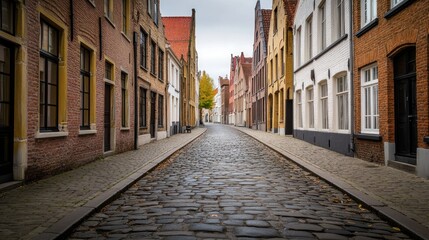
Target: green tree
(206, 99)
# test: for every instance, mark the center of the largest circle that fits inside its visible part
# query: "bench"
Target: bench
(188, 129)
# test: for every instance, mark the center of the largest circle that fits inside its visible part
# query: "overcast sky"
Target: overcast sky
(223, 27)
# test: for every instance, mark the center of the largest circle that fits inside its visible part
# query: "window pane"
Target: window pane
(42, 116)
(52, 73)
(52, 116)
(45, 36)
(4, 88)
(52, 94)
(85, 100)
(4, 114)
(53, 41)
(87, 59)
(86, 84)
(7, 13)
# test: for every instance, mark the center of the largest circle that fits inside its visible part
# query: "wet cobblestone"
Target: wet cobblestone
(228, 186)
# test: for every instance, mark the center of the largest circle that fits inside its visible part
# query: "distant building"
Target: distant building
(280, 68)
(391, 52)
(259, 69)
(174, 68)
(180, 33)
(242, 72)
(217, 109)
(224, 96)
(231, 106)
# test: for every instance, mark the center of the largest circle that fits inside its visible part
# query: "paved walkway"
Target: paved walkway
(45, 209)
(385, 188)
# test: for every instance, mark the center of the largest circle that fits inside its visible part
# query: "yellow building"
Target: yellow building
(280, 68)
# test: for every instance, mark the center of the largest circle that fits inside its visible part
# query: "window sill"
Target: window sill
(367, 136)
(153, 74)
(125, 128)
(41, 135)
(126, 36)
(426, 139)
(396, 9)
(109, 20)
(92, 2)
(143, 68)
(109, 81)
(367, 27)
(87, 132)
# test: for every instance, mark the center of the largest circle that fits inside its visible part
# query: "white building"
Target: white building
(217, 109)
(322, 74)
(173, 103)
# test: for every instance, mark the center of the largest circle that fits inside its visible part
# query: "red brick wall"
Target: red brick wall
(53, 155)
(409, 27)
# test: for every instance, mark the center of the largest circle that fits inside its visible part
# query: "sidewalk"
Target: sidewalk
(47, 208)
(400, 196)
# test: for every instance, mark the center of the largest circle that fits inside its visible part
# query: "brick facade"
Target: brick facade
(393, 30)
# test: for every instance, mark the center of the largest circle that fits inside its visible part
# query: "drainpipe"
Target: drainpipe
(71, 20)
(351, 64)
(135, 40)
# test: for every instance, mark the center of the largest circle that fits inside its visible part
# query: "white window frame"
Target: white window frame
(322, 13)
(309, 37)
(395, 2)
(310, 106)
(368, 11)
(298, 46)
(342, 102)
(324, 104)
(299, 108)
(341, 22)
(370, 122)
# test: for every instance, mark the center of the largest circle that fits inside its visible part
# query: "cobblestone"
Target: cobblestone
(289, 202)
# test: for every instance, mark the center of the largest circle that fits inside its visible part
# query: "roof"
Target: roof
(247, 70)
(215, 91)
(290, 7)
(266, 19)
(178, 33)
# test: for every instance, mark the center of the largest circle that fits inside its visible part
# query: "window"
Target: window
(271, 73)
(309, 38)
(143, 49)
(277, 67)
(85, 75)
(368, 11)
(343, 102)
(324, 104)
(125, 16)
(124, 99)
(160, 111)
(48, 73)
(150, 6)
(369, 99)
(160, 64)
(299, 109)
(310, 106)
(155, 10)
(298, 46)
(322, 13)
(396, 2)
(7, 16)
(142, 109)
(282, 55)
(108, 71)
(275, 20)
(152, 57)
(108, 9)
(340, 18)
(281, 100)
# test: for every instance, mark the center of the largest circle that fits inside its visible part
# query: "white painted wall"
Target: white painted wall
(334, 61)
(173, 106)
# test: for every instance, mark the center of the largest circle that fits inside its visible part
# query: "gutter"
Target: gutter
(135, 40)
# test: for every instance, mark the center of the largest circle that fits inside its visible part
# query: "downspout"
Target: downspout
(71, 20)
(135, 40)
(351, 64)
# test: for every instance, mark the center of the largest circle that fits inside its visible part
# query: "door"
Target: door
(6, 112)
(152, 114)
(405, 106)
(107, 117)
(289, 117)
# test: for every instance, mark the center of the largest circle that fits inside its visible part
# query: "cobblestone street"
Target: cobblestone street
(226, 185)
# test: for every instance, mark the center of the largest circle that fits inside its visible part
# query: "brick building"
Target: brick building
(180, 32)
(391, 55)
(231, 106)
(259, 73)
(242, 74)
(151, 72)
(69, 74)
